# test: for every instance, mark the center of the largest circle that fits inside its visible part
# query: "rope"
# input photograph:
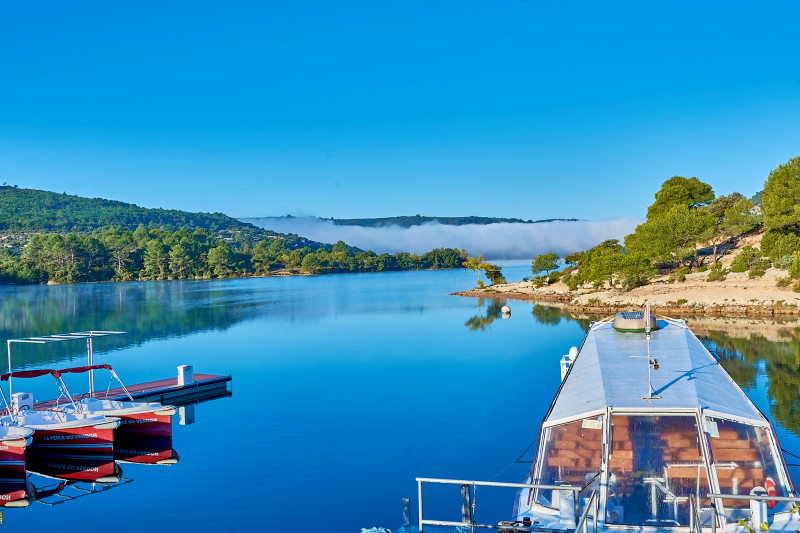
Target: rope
(790, 453)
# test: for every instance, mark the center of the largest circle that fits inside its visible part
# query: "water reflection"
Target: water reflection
(484, 318)
(552, 316)
(147, 310)
(53, 478)
(777, 358)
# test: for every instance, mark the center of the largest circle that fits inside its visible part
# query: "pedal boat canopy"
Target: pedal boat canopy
(651, 420)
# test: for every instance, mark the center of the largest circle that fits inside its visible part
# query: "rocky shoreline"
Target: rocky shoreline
(736, 296)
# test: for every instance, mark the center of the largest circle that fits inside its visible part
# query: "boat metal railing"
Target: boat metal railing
(471, 522)
(590, 507)
(592, 504)
(694, 516)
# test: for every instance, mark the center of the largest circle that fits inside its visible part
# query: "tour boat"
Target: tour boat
(55, 431)
(141, 418)
(648, 433)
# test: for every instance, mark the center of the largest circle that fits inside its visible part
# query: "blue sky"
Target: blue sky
(361, 109)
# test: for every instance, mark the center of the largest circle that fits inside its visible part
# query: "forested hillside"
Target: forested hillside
(51, 237)
(24, 212)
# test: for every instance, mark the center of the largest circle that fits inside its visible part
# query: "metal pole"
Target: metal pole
(713, 517)
(91, 372)
(10, 392)
(419, 500)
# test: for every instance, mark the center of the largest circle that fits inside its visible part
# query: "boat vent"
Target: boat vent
(633, 322)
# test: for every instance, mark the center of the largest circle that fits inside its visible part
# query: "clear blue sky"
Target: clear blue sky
(379, 108)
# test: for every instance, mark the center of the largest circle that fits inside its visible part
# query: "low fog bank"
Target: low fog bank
(493, 241)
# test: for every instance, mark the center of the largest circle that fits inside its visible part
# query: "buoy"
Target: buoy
(506, 309)
(771, 491)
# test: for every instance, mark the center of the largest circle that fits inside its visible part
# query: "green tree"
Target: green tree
(733, 218)
(671, 237)
(477, 265)
(220, 260)
(156, 260)
(180, 263)
(120, 246)
(311, 264)
(494, 275)
(780, 200)
(678, 190)
(544, 263)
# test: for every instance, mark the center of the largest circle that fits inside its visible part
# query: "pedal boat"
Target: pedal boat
(135, 418)
(59, 432)
(14, 442)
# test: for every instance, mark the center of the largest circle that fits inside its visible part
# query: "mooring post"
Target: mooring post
(466, 504)
(406, 513)
(185, 375)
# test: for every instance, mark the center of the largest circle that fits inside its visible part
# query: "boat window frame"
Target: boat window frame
(540, 456)
(697, 412)
(775, 450)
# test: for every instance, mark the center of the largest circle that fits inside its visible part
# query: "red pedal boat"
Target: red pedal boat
(55, 431)
(140, 418)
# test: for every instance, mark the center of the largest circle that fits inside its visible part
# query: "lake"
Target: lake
(345, 388)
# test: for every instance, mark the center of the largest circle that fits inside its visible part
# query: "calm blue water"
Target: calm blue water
(345, 388)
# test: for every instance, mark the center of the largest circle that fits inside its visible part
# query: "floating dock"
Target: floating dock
(186, 388)
(174, 391)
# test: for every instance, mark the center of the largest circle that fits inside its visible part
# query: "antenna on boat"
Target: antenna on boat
(651, 363)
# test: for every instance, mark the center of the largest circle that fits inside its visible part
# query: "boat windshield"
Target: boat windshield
(745, 457)
(570, 454)
(655, 464)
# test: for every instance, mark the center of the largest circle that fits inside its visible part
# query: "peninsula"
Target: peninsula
(696, 254)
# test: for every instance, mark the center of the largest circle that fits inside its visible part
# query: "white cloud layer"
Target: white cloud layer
(493, 241)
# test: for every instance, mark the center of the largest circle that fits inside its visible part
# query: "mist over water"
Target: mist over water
(493, 241)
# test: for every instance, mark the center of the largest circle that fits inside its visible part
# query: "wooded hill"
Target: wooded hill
(25, 212)
(50, 237)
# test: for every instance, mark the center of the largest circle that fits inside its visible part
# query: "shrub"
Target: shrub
(794, 268)
(682, 301)
(756, 273)
(634, 280)
(702, 268)
(761, 264)
(680, 275)
(796, 286)
(739, 263)
(783, 282)
(717, 273)
(785, 261)
(777, 243)
(747, 259)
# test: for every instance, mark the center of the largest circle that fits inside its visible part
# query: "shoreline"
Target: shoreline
(738, 296)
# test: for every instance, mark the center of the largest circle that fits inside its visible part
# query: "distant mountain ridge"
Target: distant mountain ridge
(416, 220)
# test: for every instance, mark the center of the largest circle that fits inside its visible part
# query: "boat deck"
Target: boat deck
(204, 387)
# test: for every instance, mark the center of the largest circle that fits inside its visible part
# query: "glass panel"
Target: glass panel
(744, 458)
(571, 454)
(654, 466)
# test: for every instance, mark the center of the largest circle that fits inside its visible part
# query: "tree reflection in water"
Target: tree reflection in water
(494, 310)
(744, 358)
